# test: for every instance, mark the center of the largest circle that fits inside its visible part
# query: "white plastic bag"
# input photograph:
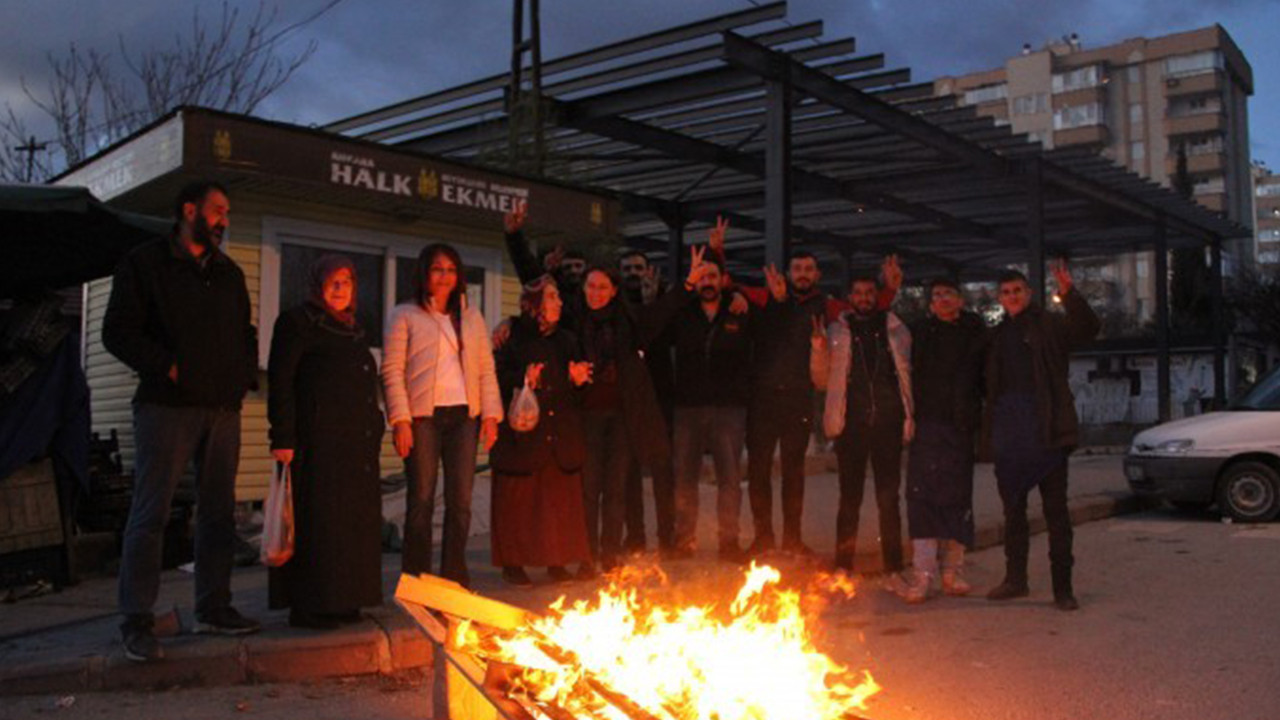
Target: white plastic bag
(277, 520)
(523, 413)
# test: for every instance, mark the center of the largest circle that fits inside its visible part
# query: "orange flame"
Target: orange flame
(680, 663)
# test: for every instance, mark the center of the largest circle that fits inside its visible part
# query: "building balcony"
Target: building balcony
(1205, 163)
(1199, 84)
(1196, 124)
(1087, 135)
(1082, 96)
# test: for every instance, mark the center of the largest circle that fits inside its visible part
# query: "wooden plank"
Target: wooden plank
(450, 597)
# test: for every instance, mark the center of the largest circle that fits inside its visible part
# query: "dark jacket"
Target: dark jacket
(782, 332)
(323, 404)
(558, 435)
(167, 308)
(713, 357)
(1049, 339)
(946, 370)
(635, 331)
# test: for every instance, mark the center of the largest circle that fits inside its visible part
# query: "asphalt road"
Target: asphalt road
(1178, 622)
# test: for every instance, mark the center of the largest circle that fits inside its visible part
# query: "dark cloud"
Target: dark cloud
(372, 54)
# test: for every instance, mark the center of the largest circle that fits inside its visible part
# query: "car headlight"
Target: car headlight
(1175, 446)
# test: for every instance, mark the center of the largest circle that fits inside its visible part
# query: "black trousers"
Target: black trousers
(882, 444)
(782, 419)
(604, 478)
(1017, 532)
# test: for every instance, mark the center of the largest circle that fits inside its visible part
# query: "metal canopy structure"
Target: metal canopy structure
(803, 142)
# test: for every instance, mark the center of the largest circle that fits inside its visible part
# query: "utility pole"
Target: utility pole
(32, 147)
(525, 111)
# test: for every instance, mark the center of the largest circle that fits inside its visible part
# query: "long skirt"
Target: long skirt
(538, 519)
(940, 483)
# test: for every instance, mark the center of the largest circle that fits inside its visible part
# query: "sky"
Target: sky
(372, 53)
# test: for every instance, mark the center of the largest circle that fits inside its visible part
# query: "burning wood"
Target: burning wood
(618, 657)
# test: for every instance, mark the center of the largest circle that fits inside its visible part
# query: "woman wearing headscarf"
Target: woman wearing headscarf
(438, 371)
(327, 428)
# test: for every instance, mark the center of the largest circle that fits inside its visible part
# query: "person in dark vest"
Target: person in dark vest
(327, 428)
(179, 316)
(867, 365)
(1030, 423)
(947, 352)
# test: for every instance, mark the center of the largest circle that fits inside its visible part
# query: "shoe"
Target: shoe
(762, 545)
(797, 547)
(141, 645)
(312, 621)
(226, 621)
(1008, 590)
(515, 575)
(1066, 603)
(587, 571)
(953, 583)
(732, 554)
(918, 589)
(559, 574)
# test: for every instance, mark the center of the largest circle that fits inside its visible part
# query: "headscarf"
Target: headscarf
(323, 269)
(532, 296)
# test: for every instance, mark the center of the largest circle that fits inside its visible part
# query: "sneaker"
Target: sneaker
(559, 574)
(1008, 590)
(953, 583)
(141, 645)
(226, 621)
(918, 589)
(515, 575)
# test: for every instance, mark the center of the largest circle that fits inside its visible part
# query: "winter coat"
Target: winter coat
(782, 332)
(558, 436)
(410, 355)
(713, 357)
(323, 404)
(946, 370)
(1049, 339)
(166, 309)
(829, 367)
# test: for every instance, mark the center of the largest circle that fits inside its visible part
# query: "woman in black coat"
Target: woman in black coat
(537, 475)
(326, 426)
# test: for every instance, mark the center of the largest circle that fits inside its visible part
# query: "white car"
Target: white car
(1230, 457)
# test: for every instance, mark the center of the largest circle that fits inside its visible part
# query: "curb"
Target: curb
(387, 644)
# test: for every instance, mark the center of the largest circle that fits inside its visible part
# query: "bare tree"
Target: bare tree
(232, 64)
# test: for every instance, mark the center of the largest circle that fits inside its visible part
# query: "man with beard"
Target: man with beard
(179, 316)
(1030, 423)
(946, 368)
(712, 355)
(867, 363)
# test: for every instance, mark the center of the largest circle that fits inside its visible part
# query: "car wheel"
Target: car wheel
(1249, 492)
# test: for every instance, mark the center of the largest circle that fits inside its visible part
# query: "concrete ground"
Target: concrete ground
(68, 641)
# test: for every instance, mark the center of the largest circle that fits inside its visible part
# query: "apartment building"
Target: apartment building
(1143, 102)
(1266, 191)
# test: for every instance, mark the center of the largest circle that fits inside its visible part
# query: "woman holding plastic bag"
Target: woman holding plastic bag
(326, 430)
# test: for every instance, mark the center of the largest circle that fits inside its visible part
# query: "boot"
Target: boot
(919, 588)
(1064, 597)
(953, 582)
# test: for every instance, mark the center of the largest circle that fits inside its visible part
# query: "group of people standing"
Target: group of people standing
(628, 376)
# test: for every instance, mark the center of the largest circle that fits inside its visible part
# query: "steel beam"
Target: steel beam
(777, 175)
(1162, 323)
(1035, 235)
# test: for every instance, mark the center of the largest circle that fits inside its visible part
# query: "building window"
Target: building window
(1031, 104)
(1193, 64)
(1208, 186)
(1195, 106)
(1143, 268)
(1268, 190)
(1135, 113)
(384, 271)
(1133, 74)
(986, 93)
(1075, 116)
(1137, 150)
(1269, 235)
(1085, 77)
(1203, 145)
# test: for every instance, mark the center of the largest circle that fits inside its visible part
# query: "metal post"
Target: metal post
(675, 247)
(535, 84)
(777, 182)
(1035, 232)
(513, 95)
(1219, 325)
(1162, 322)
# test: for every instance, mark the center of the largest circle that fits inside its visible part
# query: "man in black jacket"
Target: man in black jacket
(1031, 425)
(179, 316)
